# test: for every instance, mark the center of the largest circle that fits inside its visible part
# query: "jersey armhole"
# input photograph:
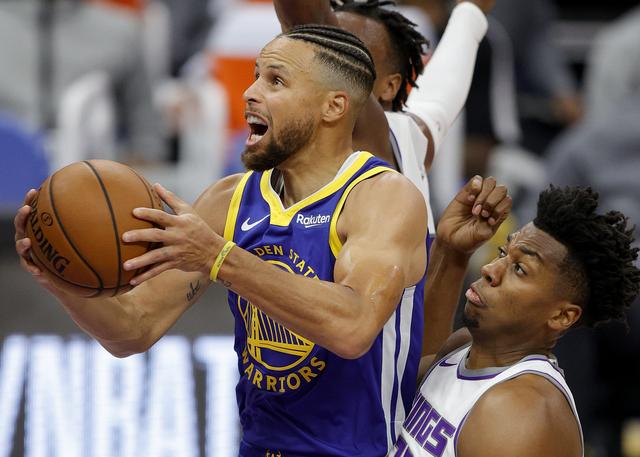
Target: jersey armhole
(334, 240)
(234, 207)
(548, 377)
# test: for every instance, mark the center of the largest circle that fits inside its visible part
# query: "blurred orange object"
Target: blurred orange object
(235, 73)
(134, 5)
(238, 37)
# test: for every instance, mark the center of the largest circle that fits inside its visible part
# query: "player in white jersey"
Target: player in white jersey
(407, 129)
(495, 388)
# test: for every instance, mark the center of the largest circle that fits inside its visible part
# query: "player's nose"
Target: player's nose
(492, 272)
(252, 93)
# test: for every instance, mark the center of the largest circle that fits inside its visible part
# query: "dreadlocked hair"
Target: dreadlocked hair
(599, 265)
(408, 44)
(342, 51)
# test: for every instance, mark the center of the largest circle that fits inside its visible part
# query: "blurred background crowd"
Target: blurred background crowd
(158, 84)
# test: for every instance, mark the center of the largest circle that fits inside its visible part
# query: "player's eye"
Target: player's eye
(519, 270)
(502, 252)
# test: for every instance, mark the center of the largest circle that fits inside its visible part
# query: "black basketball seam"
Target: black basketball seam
(66, 235)
(149, 243)
(43, 264)
(113, 222)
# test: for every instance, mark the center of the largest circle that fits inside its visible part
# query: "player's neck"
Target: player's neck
(495, 354)
(311, 169)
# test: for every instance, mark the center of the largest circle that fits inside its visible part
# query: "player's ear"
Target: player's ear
(336, 106)
(564, 316)
(390, 86)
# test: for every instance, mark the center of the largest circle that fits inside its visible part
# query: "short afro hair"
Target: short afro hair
(599, 266)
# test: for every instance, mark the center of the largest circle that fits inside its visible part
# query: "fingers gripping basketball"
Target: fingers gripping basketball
(76, 225)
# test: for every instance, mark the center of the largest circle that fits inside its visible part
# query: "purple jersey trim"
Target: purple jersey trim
(456, 436)
(490, 376)
(544, 359)
(543, 374)
(475, 378)
(442, 359)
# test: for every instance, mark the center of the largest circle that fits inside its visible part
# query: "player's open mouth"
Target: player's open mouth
(258, 128)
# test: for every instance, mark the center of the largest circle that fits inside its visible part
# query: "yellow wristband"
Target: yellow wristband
(217, 264)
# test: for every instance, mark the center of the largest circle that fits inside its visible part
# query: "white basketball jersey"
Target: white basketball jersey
(410, 148)
(448, 393)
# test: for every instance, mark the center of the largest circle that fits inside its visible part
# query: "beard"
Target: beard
(262, 157)
(469, 322)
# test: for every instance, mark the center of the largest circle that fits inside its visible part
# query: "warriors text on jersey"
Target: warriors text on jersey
(296, 398)
(448, 394)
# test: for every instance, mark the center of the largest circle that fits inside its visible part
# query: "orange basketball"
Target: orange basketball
(77, 221)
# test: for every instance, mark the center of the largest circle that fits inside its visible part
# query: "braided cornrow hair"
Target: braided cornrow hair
(408, 44)
(341, 50)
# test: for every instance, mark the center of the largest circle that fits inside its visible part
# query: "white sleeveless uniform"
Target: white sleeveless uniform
(410, 149)
(450, 391)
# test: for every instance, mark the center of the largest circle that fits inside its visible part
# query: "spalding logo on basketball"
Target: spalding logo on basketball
(77, 221)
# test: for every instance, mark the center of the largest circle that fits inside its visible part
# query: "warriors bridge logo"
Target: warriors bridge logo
(275, 359)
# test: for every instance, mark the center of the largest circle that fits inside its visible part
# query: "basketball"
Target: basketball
(76, 224)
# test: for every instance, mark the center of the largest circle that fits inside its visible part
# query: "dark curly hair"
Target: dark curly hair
(408, 44)
(599, 266)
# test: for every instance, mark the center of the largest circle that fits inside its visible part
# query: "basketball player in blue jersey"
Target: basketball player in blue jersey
(495, 388)
(407, 130)
(322, 249)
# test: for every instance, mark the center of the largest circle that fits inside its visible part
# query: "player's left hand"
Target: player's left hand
(188, 243)
(474, 215)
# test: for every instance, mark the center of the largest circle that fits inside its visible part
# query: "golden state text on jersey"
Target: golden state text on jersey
(296, 398)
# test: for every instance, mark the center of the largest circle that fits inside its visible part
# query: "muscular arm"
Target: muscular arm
(471, 219)
(298, 12)
(379, 258)
(371, 132)
(132, 322)
(445, 276)
(524, 417)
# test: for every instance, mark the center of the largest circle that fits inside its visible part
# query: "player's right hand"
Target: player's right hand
(23, 243)
(474, 215)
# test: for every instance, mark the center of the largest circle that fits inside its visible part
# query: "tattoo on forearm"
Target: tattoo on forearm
(193, 290)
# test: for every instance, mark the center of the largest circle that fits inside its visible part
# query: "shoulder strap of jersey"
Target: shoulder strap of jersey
(234, 207)
(545, 368)
(334, 239)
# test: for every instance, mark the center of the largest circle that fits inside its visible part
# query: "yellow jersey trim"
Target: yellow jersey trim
(281, 216)
(334, 239)
(234, 207)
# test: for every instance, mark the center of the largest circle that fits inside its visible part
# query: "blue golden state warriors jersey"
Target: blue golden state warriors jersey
(295, 398)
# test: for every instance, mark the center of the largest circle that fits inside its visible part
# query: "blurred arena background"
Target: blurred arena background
(158, 84)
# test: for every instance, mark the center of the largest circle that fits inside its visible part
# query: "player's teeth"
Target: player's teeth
(255, 120)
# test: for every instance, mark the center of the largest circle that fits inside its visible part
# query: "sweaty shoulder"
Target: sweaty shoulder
(389, 186)
(213, 203)
(386, 210)
(387, 194)
(526, 417)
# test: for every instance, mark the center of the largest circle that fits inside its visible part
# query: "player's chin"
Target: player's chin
(255, 158)
(470, 316)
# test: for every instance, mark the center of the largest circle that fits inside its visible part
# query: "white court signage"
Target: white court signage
(76, 400)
